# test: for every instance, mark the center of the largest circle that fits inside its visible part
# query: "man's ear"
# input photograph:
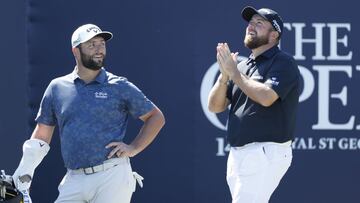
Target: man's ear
(76, 52)
(274, 36)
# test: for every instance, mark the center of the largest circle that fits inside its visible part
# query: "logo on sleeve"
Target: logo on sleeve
(273, 81)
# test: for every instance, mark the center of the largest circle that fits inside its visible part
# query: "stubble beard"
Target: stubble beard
(255, 42)
(90, 63)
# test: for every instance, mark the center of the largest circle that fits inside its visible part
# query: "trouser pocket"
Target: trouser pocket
(246, 161)
(276, 153)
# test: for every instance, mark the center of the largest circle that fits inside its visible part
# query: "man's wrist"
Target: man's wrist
(223, 79)
(222, 82)
(236, 77)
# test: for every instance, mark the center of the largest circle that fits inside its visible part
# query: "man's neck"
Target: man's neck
(258, 51)
(85, 74)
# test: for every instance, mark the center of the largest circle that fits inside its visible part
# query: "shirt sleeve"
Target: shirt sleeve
(46, 113)
(137, 103)
(283, 75)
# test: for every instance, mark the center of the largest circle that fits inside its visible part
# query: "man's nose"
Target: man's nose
(99, 48)
(251, 25)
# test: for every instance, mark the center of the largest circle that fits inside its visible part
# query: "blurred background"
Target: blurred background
(167, 48)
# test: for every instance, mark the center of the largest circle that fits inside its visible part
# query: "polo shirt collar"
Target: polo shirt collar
(268, 53)
(100, 78)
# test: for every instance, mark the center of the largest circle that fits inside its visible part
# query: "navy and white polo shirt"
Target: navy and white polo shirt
(90, 116)
(251, 122)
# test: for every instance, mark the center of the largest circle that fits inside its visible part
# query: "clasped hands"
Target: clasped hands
(227, 61)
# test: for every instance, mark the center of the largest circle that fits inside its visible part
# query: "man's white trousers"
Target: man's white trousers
(255, 170)
(116, 184)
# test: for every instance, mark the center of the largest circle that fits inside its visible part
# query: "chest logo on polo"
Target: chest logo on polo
(101, 95)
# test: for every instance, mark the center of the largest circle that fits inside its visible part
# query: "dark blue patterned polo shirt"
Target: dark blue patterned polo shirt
(90, 116)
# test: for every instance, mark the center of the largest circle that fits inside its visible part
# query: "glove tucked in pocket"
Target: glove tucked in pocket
(138, 179)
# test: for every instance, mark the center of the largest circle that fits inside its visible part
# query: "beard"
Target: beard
(255, 42)
(90, 63)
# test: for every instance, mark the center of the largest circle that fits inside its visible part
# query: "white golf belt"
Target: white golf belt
(110, 163)
(101, 167)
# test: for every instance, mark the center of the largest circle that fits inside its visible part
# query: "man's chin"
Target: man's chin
(94, 68)
(95, 65)
(248, 43)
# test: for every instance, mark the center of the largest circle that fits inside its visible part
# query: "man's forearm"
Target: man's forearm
(257, 91)
(149, 131)
(217, 101)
